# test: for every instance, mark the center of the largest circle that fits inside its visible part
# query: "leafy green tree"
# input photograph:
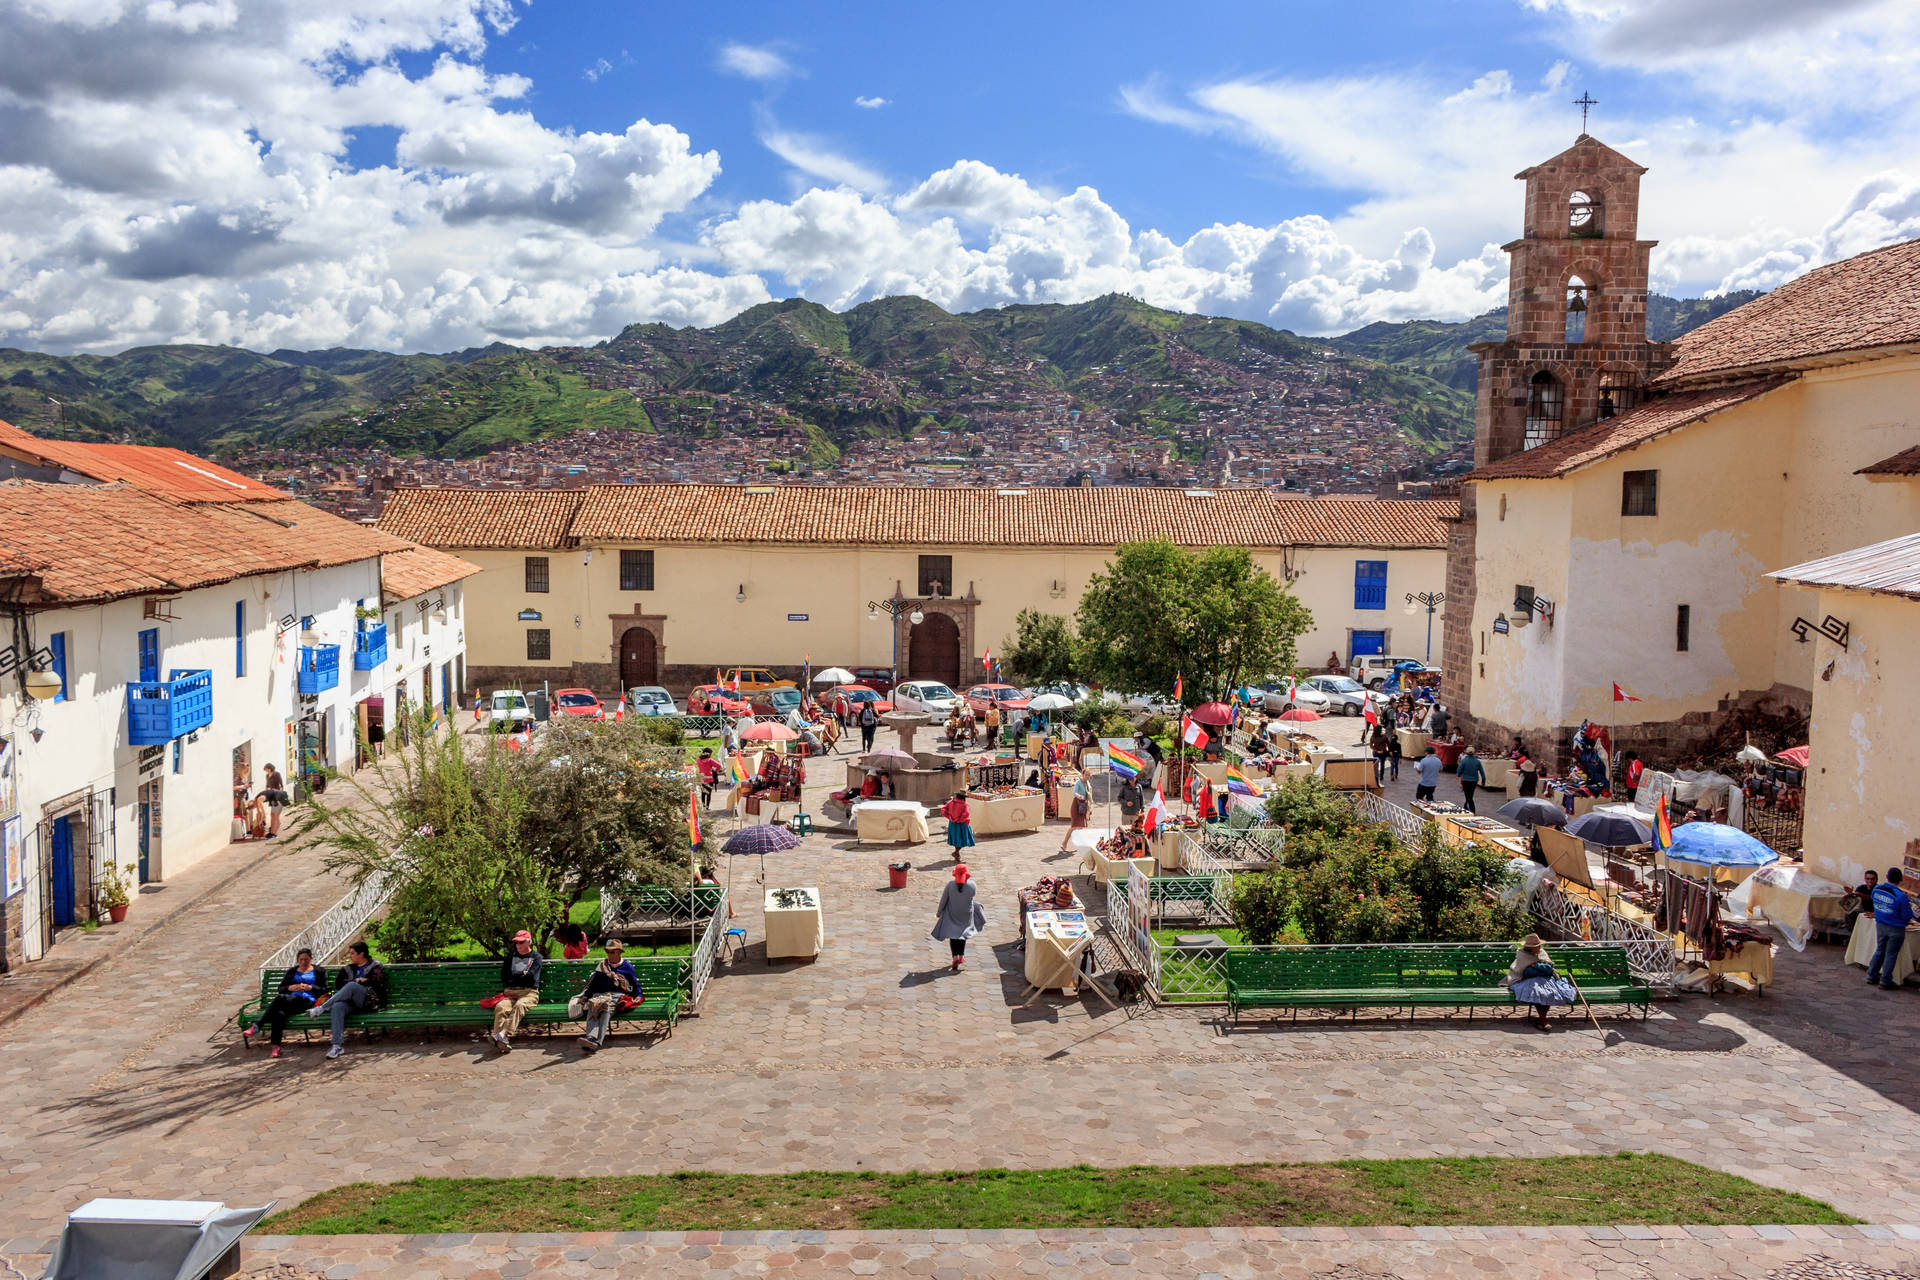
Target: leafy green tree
(1043, 649)
(1264, 904)
(1211, 617)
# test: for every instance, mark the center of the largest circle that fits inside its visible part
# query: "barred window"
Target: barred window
(539, 644)
(636, 570)
(537, 573)
(1640, 493)
(936, 575)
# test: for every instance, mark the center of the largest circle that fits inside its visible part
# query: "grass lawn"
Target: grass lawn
(1226, 933)
(1560, 1190)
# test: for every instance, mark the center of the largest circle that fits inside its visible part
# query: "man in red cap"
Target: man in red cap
(520, 989)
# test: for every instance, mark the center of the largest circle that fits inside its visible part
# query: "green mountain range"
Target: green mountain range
(887, 367)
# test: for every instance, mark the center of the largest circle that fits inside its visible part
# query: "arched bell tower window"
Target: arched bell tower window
(1576, 313)
(1584, 221)
(1546, 405)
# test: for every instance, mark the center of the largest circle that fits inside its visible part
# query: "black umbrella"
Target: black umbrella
(1614, 830)
(1532, 811)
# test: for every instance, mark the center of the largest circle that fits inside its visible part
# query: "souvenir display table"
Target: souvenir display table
(1165, 844)
(793, 923)
(890, 822)
(1084, 841)
(1503, 774)
(1866, 936)
(1461, 829)
(1449, 753)
(999, 770)
(1007, 809)
(1057, 944)
(1064, 776)
(1413, 742)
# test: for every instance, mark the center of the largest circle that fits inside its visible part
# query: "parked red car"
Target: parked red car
(1004, 696)
(579, 702)
(845, 700)
(879, 679)
(712, 700)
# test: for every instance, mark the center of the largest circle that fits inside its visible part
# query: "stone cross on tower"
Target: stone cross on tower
(1586, 102)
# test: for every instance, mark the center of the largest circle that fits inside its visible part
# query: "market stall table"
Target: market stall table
(1413, 742)
(998, 815)
(793, 923)
(1105, 870)
(1501, 773)
(1058, 946)
(890, 822)
(1866, 936)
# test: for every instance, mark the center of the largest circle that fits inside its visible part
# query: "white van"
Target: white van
(510, 707)
(1375, 669)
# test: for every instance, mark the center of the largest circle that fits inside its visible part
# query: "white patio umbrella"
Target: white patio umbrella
(1047, 704)
(834, 675)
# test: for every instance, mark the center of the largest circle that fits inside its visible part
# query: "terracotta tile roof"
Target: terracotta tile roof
(483, 519)
(1872, 300)
(98, 542)
(170, 471)
(1655, 418)
(1891, 568)
(1904, 463)
(906, 516)
(418, 570)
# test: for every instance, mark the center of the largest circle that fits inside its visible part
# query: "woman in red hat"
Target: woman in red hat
(960, 915)
(520, 989)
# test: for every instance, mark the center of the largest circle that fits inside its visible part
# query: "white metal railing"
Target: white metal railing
(1649, 952)
(1407, 825)
(706, 954)
(338, 924)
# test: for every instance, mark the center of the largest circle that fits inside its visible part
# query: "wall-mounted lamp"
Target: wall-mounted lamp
(42, 686)
(873, 614)
(587, 558)
(1544, 607)
(1058, 590)
(916, 617)
(740, 596)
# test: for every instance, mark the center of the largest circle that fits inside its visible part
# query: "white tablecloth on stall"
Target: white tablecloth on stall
(1105, 870)
(794, 931)
(1866, 936)
(997, 816)
(890, 822)
(1054, 948)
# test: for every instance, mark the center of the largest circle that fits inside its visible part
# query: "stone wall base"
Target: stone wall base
(1663, 744)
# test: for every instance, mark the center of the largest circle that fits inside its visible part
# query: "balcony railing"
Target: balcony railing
(370, 647)
(319, 667)
(158, 711)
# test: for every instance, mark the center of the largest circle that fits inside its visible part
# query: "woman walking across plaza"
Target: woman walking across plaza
(960, 915)
(959, 816)
(1077, 813)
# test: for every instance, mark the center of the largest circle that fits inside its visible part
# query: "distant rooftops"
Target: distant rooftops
(157, 470)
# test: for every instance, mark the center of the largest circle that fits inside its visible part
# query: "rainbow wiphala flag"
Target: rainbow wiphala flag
(1125, 762)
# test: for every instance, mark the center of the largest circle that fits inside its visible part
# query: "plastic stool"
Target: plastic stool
(734, 939)
(801, 824)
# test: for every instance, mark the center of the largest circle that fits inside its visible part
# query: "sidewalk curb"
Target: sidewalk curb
(11, 1015)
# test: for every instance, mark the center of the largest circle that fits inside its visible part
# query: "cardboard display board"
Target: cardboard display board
(1566, 856)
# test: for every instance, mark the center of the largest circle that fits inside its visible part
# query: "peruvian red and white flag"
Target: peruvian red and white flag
(1191, 733)
(1621, 695)
(1373, 717)
(1156, 814)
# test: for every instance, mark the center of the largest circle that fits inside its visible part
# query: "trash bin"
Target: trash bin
(897, 874)
(152, 1240)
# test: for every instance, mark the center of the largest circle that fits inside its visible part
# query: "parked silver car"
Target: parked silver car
(925, 698)
(650, 700)
(1346, 696)
(1305, 697)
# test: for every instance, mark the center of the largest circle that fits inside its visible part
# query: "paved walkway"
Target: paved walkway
(130, 1081)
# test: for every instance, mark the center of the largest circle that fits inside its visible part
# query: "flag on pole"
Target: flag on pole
(1179, 687)
(1156, 814)
(1621, 695)
(1373, 717)
(1191, 733)
(1662, 825)
(1124, 762)
(740, 773)
(693, 819)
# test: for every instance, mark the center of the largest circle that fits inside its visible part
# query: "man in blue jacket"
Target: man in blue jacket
(1892, 913)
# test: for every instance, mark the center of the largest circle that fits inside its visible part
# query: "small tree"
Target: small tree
(1264, 904)
(1210, 617)
(1043, 649)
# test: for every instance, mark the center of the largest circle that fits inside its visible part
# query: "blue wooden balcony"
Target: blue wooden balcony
(158, 711)
(319, 667)
(370, 647)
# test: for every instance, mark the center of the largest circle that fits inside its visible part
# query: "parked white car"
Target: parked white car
(925, 698)
(1305, 698)
(1346, 696)
(1375, 669)
(650, 700)
(510, 707)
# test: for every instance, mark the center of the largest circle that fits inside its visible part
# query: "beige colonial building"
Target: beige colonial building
(1631, 545)
(622, 585)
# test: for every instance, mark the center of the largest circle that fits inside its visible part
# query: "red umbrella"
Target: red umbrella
(1300, 714)
(1213, 713)
(769, 731)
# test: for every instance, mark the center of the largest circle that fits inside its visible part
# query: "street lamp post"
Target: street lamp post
(1432, 600)
(893, 609)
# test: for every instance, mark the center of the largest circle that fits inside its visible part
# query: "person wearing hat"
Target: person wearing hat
(960, 916)
(1529, 778)
(520, 989)
(611, 981)
(1534, 980)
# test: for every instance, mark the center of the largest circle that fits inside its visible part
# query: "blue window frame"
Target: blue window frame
(179, 751)
(239, 638)
(150, 655)
(57, 643)
(1369, 584)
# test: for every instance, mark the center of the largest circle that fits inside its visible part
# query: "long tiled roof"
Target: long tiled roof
(1648, 421)
(1904, 463)
(901, 516)
(418, 570)
(483, 519)
(1868, 301)
(170, 471)
(1891, 568)
(99, 542)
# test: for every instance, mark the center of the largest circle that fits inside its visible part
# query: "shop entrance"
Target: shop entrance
(1366, 642)
(933, 650)
(639, 659)
(143, 818)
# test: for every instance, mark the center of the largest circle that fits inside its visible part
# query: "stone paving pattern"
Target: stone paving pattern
(131, 1082)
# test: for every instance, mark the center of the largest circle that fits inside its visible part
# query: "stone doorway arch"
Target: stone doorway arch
(639, 658)
(933, 650)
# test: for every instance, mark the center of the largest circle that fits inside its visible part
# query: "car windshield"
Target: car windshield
(652, 697)
(1341, 684)
(575, 699)
(935, 691)
(505, 700)
(862, 695)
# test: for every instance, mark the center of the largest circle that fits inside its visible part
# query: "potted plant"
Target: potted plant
(113, 894)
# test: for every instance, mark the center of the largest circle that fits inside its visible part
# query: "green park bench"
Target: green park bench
(1462, 976)
(444, 995)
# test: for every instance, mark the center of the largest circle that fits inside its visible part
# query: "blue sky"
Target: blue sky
(426, 174)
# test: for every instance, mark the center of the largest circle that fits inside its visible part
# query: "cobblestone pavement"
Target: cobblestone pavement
(130, 1082)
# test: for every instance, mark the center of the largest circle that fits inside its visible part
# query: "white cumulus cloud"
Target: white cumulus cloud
(755, 62)
(871, 104)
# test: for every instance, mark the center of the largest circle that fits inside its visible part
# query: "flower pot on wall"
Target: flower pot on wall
(117, 914)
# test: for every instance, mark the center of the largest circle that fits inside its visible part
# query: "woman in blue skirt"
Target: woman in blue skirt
(1534, 980)
(959, 816)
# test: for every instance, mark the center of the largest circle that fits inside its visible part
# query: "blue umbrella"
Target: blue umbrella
(761, 838)
(1615, 830)
(1715, 844)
